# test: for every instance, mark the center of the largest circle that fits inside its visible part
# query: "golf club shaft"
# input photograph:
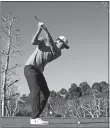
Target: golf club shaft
(37, 18)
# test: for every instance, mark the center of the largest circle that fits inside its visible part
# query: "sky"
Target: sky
(84, 24)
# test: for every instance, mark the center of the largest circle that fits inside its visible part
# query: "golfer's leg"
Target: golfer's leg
(32, 80)
(46, 93)
(34, 95)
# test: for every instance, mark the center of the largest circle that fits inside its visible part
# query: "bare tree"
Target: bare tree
(73, 108)
(94, 105)
(10, 47)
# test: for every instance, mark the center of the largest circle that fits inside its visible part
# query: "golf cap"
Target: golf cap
(65, 41)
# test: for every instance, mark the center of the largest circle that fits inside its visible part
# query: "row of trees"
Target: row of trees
(83, 89)
(84, 100)
(77, 101)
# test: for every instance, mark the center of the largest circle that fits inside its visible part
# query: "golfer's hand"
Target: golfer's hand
(41, 25)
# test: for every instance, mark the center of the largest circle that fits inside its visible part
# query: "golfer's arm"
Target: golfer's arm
(35, 40)
(51, 42)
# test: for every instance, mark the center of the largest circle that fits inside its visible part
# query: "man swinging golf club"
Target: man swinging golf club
(46, 51)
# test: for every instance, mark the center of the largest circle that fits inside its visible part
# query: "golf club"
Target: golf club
(37, 19)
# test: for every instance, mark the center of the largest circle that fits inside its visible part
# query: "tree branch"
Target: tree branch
(18, 52)
(2, 68)
(16, 65)
(3, 53)
(4, 40)
(12, 73)
(3, 18)
(4, 31)
(13, 83)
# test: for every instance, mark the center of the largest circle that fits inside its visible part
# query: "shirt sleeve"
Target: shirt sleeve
(56, 54)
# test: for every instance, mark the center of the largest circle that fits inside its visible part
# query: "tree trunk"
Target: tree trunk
(5, 75)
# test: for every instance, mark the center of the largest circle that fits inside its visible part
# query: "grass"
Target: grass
(56, 122)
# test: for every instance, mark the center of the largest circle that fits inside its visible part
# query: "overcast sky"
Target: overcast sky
(85, 24)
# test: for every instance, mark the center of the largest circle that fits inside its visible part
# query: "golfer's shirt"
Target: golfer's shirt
(43, 55)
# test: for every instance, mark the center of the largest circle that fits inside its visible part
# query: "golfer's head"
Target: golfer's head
(62, 42)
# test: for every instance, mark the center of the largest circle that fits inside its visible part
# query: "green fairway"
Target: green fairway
(23, 122)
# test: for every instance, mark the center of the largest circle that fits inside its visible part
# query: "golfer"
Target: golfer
(46, 51)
